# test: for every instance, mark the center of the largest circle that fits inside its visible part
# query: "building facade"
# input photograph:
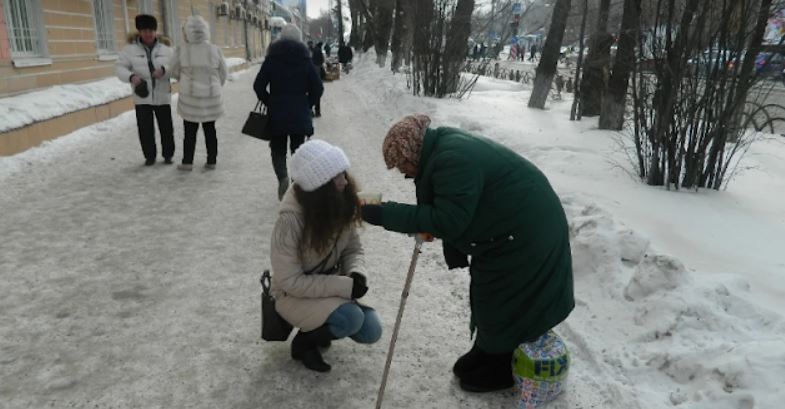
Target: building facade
(53, 42)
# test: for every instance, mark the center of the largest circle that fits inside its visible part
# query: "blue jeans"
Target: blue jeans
(357, 322)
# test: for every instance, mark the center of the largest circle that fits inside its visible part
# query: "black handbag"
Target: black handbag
(274, 327)
(258, 123)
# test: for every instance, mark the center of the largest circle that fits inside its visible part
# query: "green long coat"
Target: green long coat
(490, 203)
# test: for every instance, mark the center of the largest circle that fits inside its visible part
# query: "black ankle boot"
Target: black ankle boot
(322, 336)
(494, 373)
(305, 348)
(468, 362)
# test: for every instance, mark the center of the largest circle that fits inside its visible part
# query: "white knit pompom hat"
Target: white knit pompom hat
(315, 163)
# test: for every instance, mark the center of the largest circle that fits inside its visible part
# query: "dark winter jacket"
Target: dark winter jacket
(317, 55)
(345, 54)
(294, 86)
(485, 201)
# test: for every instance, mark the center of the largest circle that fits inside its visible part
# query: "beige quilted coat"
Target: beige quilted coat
(307, 300)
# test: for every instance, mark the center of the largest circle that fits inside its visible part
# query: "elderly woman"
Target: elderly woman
(317, 257)
(486, 202)
(201, 69)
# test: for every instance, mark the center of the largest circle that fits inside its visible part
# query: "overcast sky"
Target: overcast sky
(315, 7)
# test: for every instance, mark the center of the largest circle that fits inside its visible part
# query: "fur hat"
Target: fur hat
(146, 22)
(291, 32)
(315, 163)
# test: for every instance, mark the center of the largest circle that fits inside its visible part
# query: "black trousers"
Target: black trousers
(144, 123)
(278, 151)
(189, 141)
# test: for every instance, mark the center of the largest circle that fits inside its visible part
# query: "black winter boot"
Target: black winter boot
(305, 348)
(468, 362)
(494, 373)
(279, 166)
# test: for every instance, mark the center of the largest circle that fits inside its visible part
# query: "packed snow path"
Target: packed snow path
(125, 286)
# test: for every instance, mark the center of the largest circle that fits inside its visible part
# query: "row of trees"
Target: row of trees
(687, 124)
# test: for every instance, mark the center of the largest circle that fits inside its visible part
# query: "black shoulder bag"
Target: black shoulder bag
(258, 123)
(274, 327)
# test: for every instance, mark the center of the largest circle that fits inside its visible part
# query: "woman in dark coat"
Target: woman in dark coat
(486, 202)
(294, 86)
(318, 62)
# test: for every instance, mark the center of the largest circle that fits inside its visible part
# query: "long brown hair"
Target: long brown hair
(327, 213)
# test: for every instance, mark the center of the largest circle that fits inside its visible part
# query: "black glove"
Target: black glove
(142, 89)
(359, 285)
(453, 257)
(372, 214)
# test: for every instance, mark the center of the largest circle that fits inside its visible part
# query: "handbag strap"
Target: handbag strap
(320, 267)
(260, 107)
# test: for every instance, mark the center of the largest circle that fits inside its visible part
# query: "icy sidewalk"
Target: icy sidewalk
(126, 286)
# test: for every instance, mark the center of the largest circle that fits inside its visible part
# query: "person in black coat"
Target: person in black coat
(345, 54)
(294, 87)
(318, 62)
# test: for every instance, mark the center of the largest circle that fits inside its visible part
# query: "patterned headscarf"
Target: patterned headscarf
(403, 142)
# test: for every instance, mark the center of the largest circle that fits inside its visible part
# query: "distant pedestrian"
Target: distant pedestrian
(294, 87)
(558, 81)
(141, 63)
(318, 61)
(532, 52)
(327, 50)
(201, 70)
(345, 56)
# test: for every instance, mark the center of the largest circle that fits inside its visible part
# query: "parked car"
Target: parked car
(770, 66)
(706, 63)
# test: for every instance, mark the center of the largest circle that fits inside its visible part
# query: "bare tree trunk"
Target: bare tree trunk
(614, 100)
(422, 56)
(668, 90)
(339, 14)
(383, 20)
(456, 45)
(597, 63)
(546, 69)
(575, 112)
(355, 37)
(735, 106)
(399, 25)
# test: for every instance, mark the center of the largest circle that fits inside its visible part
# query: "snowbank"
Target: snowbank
(31, 107)
(235, 61)
(25, 109)
(679, 294)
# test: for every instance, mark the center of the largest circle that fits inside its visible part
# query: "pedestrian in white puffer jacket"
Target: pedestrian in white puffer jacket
(201, 69)
(142, 64)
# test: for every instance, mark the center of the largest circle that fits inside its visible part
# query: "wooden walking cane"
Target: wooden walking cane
(416, 254)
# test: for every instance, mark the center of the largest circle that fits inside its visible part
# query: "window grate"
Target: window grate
(25, 37)
(104, 27)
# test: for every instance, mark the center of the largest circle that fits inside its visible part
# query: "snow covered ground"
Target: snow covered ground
(126, 286)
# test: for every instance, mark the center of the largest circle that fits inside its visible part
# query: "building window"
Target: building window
(145, 7)
(104, 26)
(24, 28)
(173, 25)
